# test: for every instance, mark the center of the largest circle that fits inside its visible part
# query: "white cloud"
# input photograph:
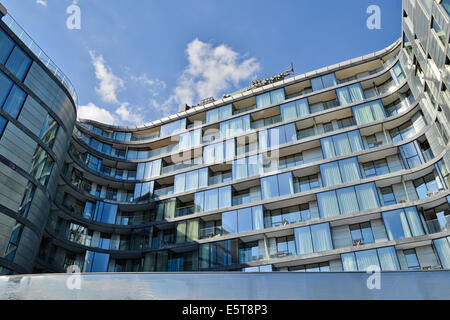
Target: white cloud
(92, 112)
(127, 115)
(152, 84)
(211, 71)
(42, 2)
(109, 82)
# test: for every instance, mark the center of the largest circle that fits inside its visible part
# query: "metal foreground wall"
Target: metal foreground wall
(228, 286)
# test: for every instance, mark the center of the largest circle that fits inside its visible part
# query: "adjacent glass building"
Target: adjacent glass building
(338, 169)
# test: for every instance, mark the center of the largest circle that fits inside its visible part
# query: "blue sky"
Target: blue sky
(134, 61)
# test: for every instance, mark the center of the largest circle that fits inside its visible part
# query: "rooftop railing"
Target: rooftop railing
(51, 66)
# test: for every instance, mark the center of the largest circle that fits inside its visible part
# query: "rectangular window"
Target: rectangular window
(325, 81)
(173, 127)
(294, 109)
(350, 94)
(14, 102)
(18, 63)
(212, 199)
(369, 112)
(41, 166)
(341, 144)
(268, 98)
(410, 155)
(219, 113)
(6, 46)
(397, 73)
(314, 238)
(96, 262)
(342, 171)
(190, 139)
(411, 259)
(235, 126)
(48, 131)
(428, 185)
(361, 233)
(402, 223)
(277, 185)
(277, 136)
(347, 200)
(28, 196)
(442, 246)
(383, 258)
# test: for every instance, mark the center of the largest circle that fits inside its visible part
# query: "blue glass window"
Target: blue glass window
(269, 98)
(5, 87)
(3, 123)
(326, 81)
(350, 94)
(341, 144)
(410, 155)
(18, 63)
(6, 46)
(277, 186)
(314, 238)
(402, 223)
(369, 112)
(97, 262)
(383, 258)
(294, 109)
(173, 127)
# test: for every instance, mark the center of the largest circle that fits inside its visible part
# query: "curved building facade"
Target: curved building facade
(334, 170)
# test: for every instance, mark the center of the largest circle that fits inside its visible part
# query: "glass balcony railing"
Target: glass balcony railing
(210, 232)
(438, 225)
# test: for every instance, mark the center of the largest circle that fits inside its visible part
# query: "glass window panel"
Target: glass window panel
(288, 111)
(258, 220)
(192, 180)
(348, 202)
(285, 184)
(18, 63)
(355, 140)
(388, 259)
(321, 237)
(277, 96)
(349, 262)
(349, 170)
(180, 182)
(15, 100)
(229, 222)
(330, 174)
(245, 220)
(263, 100)
(211, 200)
(341, 144)
(6, 46)
(363, 114)
(303, 240)
(367, 196)
(396, 224)
(269, 186)
(5, 87)
(327, 148)
(3, 123)
(329, 80)
(414, 221)
(366, 259)
(328, 204)
(224, 197)
(443, 249)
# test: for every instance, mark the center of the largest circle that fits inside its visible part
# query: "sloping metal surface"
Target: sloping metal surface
(228, 286)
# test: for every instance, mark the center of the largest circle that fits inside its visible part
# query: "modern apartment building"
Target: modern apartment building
(337, 170)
